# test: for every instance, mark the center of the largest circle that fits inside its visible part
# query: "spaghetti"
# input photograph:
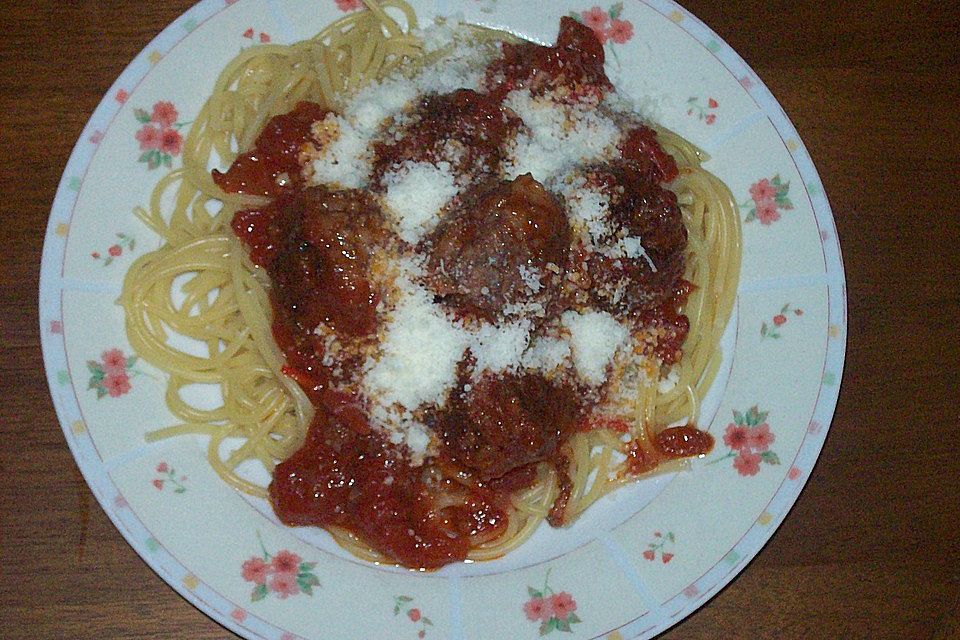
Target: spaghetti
(204, 284)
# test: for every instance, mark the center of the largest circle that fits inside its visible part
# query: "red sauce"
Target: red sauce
(669, 444)
(641, 145)
(574, 63)
(358, 481)
(672, 326)
(274, 155)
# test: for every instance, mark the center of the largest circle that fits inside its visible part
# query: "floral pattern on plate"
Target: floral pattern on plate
(661, 542)
(404, 604)
(168, 478)
(555, 610)
(768, 197)
(110, 376)
(282, 574)
(773, 329)
(749, 438)
(124, 241)
(703, 110)
(159, 137)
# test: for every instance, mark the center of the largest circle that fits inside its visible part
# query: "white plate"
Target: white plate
(636, 563)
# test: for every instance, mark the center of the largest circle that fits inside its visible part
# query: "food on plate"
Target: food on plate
(449, 284)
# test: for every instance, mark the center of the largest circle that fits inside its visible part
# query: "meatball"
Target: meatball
(639, 208)
(464, 128)
(505, 423)
(574, 66)
(321, 272)
(504, 244)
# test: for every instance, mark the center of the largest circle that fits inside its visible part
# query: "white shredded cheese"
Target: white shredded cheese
(633, 248)
(595, 337)
(530, 277)
(560, 135)
(416, 192)
(419, 354)
(546, 354)
(498, 347)
(345, 160)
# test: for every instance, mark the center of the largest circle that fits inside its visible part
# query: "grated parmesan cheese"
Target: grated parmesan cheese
(345, 161)
(416, 193)
(499, 347)
(546, 354)
(560, 135)
(595, 337)
(419, 354)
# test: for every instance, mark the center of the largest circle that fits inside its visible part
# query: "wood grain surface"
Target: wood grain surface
(872, 547)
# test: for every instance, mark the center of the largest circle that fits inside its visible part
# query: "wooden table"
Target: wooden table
(872, 548)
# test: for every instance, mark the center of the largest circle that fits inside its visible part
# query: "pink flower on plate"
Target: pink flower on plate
(171, 141)
(767, 212)
(762, 191)
(158, 483)
(117, 384)
(779, 319)
(620, 31)
(536, 609)
(759, 437)
(255, 570)
(710, 118)
(264, 38)
(164, 114)
(114, 362)
(413, 614)
(148, 137)
(735, 436)
(666, 557)
(121, 96)
(284, 585)
(349, 5)
(649, 554)
(562, 605)
(595, 18)
(115, 250)
(794, 473)
(747, 463)
(239, 615)
(286, 562)
(163, 467)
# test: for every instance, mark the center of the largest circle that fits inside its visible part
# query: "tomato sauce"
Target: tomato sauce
(672, 443)
(271, 168)
(575, 64)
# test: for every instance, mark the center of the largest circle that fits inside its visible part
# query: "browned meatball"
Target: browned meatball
(639, 207)
(482, 250)
(507, 422)
(464, 128)
(320, 273)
